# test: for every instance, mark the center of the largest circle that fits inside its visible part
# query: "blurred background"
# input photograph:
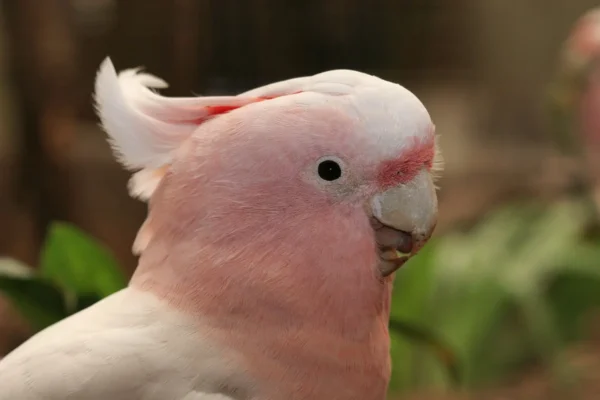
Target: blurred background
(501, 305)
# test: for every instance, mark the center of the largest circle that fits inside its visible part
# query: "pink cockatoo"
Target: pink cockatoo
(276, 221)
(575, 97)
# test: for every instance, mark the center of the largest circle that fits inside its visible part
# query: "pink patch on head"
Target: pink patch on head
(420, 153)
(215, 110)
(211, 111)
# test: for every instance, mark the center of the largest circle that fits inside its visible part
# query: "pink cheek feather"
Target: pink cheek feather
(284, 275)
(298, 304)
(286, 249)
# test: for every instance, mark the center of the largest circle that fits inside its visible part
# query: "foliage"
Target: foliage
(75, 272)
(512, 290)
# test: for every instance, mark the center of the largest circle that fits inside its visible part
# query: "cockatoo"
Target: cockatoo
(575, 97)
(276, 221)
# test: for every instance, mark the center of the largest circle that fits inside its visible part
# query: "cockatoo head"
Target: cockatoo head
(337, 168)
(575, 98)
(574, 91)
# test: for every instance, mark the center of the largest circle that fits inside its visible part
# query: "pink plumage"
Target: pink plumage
(264, 245)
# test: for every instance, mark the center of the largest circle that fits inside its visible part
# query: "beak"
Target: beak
(403, 218)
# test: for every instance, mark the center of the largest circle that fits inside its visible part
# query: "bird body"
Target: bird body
(127, 346)
(265, 270)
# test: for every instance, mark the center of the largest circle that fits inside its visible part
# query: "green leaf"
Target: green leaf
(468, 317)
(414, 284)
(78, 263)
(572, 296)
(85, 301)
(411, 297)
(39, 302)
(444, 353)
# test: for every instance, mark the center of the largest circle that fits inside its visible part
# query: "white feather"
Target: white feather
(143, 183)
(128, 346)
(145, 128)
(139, 139)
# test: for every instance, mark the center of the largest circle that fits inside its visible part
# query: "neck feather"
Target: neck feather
(320, 276)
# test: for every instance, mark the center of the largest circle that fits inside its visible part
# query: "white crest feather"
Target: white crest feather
(143, 183)
(138, 138)
(145, 128)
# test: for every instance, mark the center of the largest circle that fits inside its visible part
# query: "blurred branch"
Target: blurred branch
(43, 54)
(443, 352)
(185, 42)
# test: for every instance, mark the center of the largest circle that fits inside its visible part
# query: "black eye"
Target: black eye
(329, 170)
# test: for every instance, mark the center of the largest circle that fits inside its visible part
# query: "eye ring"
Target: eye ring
(329, 169)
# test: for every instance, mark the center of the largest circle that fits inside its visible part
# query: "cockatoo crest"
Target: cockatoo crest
(144, 127)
